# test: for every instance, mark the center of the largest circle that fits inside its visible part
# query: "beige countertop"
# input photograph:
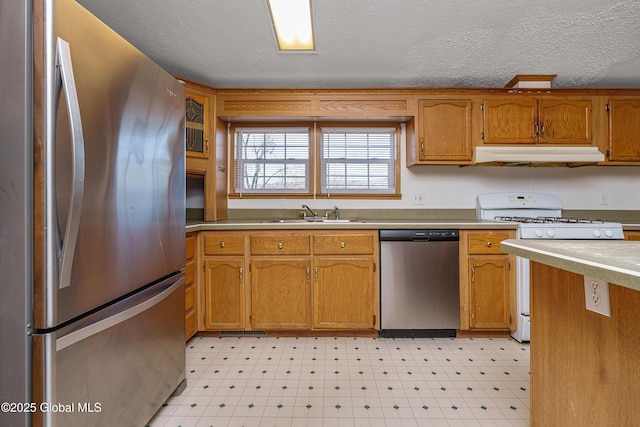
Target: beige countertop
(616, 261)
(366, 224)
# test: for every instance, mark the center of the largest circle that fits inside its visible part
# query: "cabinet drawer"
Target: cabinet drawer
(189, 298)
(486, 243)
(190, 324)
(341, 244)
(280, 245)
(223, 244)
(189, 272)
(190, 248)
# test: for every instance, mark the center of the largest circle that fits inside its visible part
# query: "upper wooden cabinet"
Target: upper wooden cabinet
(242, 104)
(624, 130)
(197, 125)
(443, 132)
(521, 120)
(206, 148)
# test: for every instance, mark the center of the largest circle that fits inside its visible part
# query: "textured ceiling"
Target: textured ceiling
(377, 43)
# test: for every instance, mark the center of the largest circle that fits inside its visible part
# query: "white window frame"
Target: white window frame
(371, 156)
(240, 161)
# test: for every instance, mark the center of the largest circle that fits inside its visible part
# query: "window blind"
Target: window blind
(358, 160)
(271, 160)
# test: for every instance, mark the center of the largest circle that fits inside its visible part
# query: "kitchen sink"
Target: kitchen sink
(312, 220)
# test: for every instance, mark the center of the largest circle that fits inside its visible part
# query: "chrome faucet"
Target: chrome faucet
(337, 212)
(315, 214)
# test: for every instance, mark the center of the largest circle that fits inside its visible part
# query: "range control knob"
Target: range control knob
(539, 232)
(550, 232)
(596, 232)
(608, 232)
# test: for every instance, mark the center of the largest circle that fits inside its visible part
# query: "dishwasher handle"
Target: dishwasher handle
(419, 235)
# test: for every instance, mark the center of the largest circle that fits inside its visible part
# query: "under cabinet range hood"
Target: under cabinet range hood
(538, 154)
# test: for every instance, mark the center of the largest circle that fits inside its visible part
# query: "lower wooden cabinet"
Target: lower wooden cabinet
(487, 281)
(290, 280)
(489, 293)
(190, 308)
(280, 294)
(224, 293)
(632, 235)
(343, 293)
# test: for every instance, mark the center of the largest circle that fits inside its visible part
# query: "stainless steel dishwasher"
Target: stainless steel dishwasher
(419, 281)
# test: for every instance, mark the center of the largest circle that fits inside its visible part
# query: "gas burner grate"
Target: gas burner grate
(548, 220)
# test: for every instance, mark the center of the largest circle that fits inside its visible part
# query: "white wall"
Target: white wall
(456, 188)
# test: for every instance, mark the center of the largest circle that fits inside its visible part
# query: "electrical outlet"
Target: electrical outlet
(604, 199)
(596, 295)
(417, 198)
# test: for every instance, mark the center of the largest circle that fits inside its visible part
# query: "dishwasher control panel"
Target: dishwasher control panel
(420, 235)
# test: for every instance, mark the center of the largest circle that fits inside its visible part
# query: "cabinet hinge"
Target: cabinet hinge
(482, 107)
(374, 267)
(510, 320)
(249, 267)
(204, 264)
(608, 153)
(374, 319)
(608, 107)
(481, 135)
(250, 319)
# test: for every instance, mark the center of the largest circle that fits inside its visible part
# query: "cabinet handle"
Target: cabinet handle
(422, 145)
(280, 245)
(473, 273)
(537, 128)
(489, 244)
(241, 275)
(222, 244)
(343, 244)
(542, 129)
(316, 273)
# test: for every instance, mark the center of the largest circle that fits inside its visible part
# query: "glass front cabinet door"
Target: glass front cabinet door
(197, 125)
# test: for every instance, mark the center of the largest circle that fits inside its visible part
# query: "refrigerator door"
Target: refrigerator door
(115, 367)
(113, 165)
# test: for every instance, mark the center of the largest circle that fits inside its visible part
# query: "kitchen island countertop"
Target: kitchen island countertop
(616, 261)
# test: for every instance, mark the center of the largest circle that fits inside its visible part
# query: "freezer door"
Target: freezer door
(113, 165)
(115, 368)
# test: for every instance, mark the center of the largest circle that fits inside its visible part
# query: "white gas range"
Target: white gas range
(539, 216)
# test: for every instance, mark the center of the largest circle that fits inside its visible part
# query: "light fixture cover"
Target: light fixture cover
(292, 23)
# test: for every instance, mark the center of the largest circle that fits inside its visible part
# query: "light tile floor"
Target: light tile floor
(268, 381)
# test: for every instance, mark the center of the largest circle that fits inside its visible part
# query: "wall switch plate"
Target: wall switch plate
(604, 199)
(596, 295)
(417, 198)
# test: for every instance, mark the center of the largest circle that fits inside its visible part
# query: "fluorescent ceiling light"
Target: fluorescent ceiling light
(292, 23)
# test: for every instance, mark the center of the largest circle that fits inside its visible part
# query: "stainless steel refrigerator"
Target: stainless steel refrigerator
(92, 222)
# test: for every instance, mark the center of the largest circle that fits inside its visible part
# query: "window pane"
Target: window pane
(272, 160)
(358, 160)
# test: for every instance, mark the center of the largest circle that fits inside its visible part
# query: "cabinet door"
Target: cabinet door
(280, 294)
(224, 293)
(510, 121)
(197, 125)
(489, 292)
(632, 235)
(445, 129)
(343, 294)
(624, 130)
(565, 121)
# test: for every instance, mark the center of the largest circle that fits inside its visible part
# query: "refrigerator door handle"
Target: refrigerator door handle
(63, 63)
(122, 316)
